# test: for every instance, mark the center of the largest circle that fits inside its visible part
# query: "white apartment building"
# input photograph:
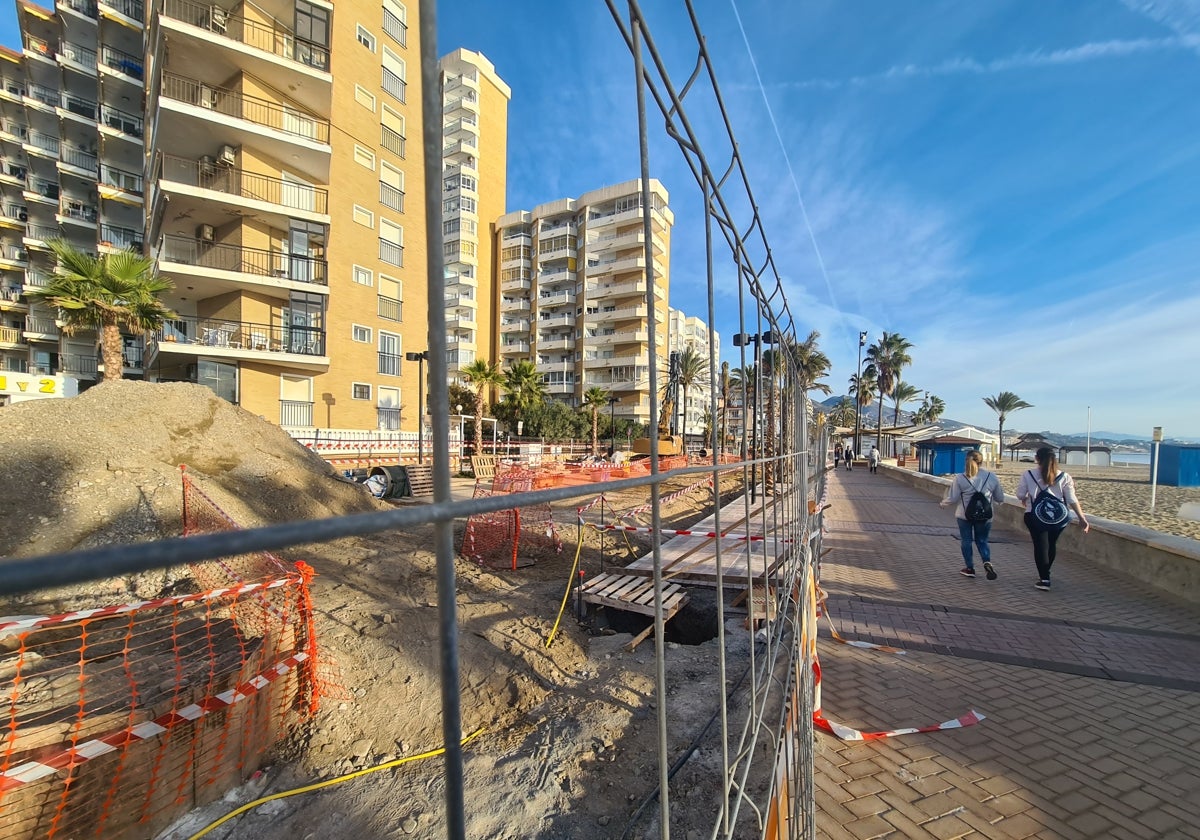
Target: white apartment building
(474, 164)
(687, 332)
(574, 288)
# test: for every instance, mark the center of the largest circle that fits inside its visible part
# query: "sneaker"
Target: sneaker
(1043, 585)
(967, 573)
(991, 573)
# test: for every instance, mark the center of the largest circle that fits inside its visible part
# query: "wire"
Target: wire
(328, 782)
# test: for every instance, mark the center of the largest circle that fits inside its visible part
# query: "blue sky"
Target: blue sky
(1009, 185)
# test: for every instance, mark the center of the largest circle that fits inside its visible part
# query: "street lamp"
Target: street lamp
(458, 408)
(612, 422)
(745, 340)
(862, 340)
(420, 358)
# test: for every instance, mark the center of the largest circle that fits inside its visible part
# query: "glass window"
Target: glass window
(363, 276)
(366, 38)
(361, 391)
(312, 23)
(361, 333)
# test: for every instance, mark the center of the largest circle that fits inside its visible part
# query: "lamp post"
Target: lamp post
(458, 408)
(612, 422)
(420, 358)
(862, 340)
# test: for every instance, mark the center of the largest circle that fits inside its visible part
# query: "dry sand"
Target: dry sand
(1121, 494)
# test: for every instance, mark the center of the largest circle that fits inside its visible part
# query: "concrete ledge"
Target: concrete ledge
(1161, 560)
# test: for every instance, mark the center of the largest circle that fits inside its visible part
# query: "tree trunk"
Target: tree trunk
(112, 351)
(595, 431)
(479, 422)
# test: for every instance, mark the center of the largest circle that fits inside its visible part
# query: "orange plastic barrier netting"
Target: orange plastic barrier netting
(497, 539)
(123, 717)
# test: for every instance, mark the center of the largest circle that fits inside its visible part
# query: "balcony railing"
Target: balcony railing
(274, 39)
(9, 364)
(295, 413)
(388, 419)
(389, 364)
(394, 85)
(16, 212)
(80, 159)
(231, 103)
(79, 211)
(43, 94)
(120, 179)
(122, 62)
(130, 8)
(233, 181)
(46, 142)
(10, 335)
(393, 141)
(395, 28)
(42, 187)
(40, 326)
(78, 54)
(122, 121)
(391, 253)
(303, 269)
(85, 7)
(40, 46)
(42, 233)
(390, 309)
(391, 197)
(121, 237)
(242, 335)
(79, 106)
(80, 365)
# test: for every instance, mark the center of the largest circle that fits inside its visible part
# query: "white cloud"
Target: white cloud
(1094, 51)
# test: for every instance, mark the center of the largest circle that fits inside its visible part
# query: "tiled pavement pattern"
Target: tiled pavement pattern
(1091, 690)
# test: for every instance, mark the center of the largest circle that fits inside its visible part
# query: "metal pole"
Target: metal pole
(421, 409)
(1154, 477)
(1089, 442)
(862, 338)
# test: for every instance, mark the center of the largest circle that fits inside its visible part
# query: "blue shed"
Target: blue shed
(1178, 464)
(944, 455)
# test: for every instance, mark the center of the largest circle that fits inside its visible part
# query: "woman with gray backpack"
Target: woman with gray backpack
(1047, 493)
(974, 491)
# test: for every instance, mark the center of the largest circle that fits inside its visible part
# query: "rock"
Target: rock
(361, 748)
(409, 824)
(603, 819)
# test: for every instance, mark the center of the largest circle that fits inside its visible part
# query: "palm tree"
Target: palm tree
(811, 364)
(482, 376)
(691, 368)
(111, 294)
(842, 413)
(726, 390)
(888, 357)
(862, 388)
(1004, 403)
(524, 387)
(595, 398)
(937, 407)
(902, 393)
(744, 378)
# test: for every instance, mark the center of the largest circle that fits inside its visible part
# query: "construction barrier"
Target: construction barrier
(124, 717)
(494, 539)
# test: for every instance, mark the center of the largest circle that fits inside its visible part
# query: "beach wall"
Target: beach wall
(1161, 560)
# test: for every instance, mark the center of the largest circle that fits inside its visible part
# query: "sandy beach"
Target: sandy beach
(1121, 493)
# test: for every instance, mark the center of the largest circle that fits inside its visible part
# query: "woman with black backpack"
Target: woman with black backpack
(975, 491)
(1047, 494)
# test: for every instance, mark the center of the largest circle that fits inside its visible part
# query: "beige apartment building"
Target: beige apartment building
(474, 172)
(573, 293)
(295, 300)
(684, 333)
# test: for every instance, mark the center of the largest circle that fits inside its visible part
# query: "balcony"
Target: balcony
(8, 363)
(36, 279)
(39, 47)
(121, 62)
(462, 299)
(391, 197)
(84, 367)
(84, 7)
(122, 122)
(120, 238)
(78, 55)
(515, 285)
(391, 253)
(390, 309)
(564, 320)
(392, 141)
(519, 305)
(556, 299)
(39, 328)
(271, 38)
(80, 159)
(231, 103)
(230, 180)
(36, 235)
(43, 95)
(395, 28)
(44, 143)
(78, 211)
(394, 86)
(387, 419)
(237, 259)
(511, 347)
(77, 106)
(10, 335)
(121, 180)
(295, 413)
(388, 364)
(132, 9)
(188, 334)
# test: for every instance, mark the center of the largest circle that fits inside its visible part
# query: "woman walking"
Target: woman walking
(1047, 492)
(975, 515)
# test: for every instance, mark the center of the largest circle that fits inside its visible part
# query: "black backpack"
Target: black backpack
(1049, 510)
(978, 508)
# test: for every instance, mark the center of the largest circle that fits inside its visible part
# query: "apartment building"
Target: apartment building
(689, 333)
(474, 165)
(70, 167)
(297, 301)
(574, 288)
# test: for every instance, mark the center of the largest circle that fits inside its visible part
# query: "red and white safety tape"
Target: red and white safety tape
(25, 624)
(32, 771)
(847, 734)
(667, 532)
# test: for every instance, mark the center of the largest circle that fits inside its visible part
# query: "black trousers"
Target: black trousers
(1044, 542)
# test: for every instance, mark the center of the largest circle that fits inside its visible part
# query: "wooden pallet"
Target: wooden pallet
(420, 479)
(634, 593)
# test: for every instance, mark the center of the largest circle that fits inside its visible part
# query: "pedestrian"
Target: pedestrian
(873, 459)
(837, 454)
(1047, 492)
(848, 454)
(972, 528)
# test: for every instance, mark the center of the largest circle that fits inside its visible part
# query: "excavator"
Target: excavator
(668, 444)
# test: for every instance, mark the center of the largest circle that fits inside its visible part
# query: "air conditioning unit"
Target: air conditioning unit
(206, 233)
(206, 96)
(227, 155)
(23, 215)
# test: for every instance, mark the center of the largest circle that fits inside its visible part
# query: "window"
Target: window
(365, 38)
(363, 276)
(361, 333)
(394, 75)
(393, 131)
(391, 243)
(364, 216)
(360, 391)
(391, 298)
(364, 157)
(395, 21)
(391, 187)
(389, 354)
(364, 98)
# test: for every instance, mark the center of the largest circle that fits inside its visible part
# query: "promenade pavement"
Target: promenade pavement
(1091, 691)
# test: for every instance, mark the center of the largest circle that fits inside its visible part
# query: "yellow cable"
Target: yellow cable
(317, 785)
(570, 581)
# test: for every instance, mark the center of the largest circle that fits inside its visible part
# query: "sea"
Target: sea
(1131, 459)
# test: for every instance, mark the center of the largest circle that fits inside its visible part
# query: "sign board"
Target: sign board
(19, 387)
(1158, 433)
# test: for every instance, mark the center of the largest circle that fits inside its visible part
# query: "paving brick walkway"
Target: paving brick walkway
(1091, 690)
